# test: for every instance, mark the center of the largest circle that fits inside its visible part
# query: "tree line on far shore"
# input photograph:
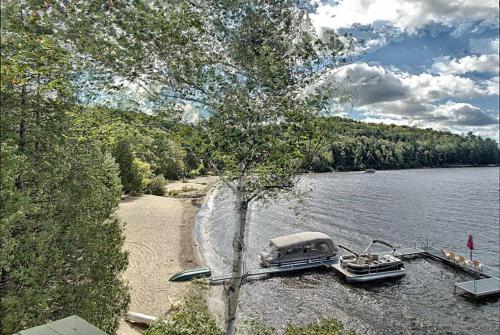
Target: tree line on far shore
(353, 145)
(149, 151)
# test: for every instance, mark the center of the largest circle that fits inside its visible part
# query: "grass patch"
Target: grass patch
(185, 189)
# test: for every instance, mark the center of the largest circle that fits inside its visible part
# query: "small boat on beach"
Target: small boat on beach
(367, 267)
(299, 249)
(191, 274)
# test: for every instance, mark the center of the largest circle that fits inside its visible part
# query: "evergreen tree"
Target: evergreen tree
(60, 246)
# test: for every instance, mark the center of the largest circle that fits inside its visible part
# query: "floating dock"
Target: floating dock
(481, 288)
(487, 286)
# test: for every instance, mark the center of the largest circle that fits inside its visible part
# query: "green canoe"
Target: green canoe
(188, 275)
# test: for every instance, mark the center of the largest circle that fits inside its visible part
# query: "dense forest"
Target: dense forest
(65, 162)
(357, 146)
(149, 150)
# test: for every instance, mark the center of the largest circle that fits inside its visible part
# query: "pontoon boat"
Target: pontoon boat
(370, 267)
(302, 248)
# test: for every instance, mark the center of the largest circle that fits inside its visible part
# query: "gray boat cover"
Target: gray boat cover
(300, 239)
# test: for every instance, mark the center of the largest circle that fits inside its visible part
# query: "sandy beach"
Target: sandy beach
(159, 238)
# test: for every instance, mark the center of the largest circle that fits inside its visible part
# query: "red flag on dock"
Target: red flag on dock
(470, 242)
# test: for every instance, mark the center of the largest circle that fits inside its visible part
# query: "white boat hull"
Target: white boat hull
(369, 277)
(365, 278)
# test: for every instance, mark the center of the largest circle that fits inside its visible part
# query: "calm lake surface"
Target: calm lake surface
(441, 205)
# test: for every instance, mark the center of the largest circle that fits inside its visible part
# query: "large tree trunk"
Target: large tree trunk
(237, 262)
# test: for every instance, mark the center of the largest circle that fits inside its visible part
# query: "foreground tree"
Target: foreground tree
(60, 246)
(252, 68)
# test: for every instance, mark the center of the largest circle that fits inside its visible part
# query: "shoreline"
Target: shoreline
(159, 237)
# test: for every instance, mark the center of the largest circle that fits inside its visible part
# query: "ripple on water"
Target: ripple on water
(443, 205)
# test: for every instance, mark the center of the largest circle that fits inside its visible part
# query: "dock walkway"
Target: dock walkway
(282, 269)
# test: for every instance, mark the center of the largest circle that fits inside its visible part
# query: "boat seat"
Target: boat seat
(361, 261)
(452, 256)
(446, 253)
(475, 263)
(461, 259)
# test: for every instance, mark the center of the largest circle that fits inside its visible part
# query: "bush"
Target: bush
(157, 186)
(135, 174)
(172, 169)
(141, 176)
(191, 317)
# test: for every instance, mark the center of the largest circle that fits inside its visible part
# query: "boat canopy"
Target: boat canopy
(299, 239)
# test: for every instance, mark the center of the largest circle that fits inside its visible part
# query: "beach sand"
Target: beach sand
(160, 241)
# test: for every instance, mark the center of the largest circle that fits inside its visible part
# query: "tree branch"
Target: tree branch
(224, 179)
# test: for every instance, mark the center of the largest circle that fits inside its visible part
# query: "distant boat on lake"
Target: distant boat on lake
(370, 171)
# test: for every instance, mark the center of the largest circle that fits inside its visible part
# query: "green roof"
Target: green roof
(73, 325)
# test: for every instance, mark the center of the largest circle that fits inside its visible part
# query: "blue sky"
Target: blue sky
(427, 63)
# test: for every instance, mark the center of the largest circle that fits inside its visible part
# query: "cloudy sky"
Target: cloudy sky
(428, 63)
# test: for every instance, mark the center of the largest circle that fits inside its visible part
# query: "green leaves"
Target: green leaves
(60, 246)
(191, 317)
(64, 254)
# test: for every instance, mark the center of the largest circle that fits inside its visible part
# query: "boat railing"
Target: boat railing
(491, 271)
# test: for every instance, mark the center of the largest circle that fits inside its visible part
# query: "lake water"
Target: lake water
(441, 205)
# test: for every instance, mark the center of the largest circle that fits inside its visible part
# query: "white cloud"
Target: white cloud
(482, 63)
(427, 87)
(461, 114)
(391, 96)
(495, 45)
(370, 84)
(373, 84)
(450, 116)
(492, 85)
(406, 15)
